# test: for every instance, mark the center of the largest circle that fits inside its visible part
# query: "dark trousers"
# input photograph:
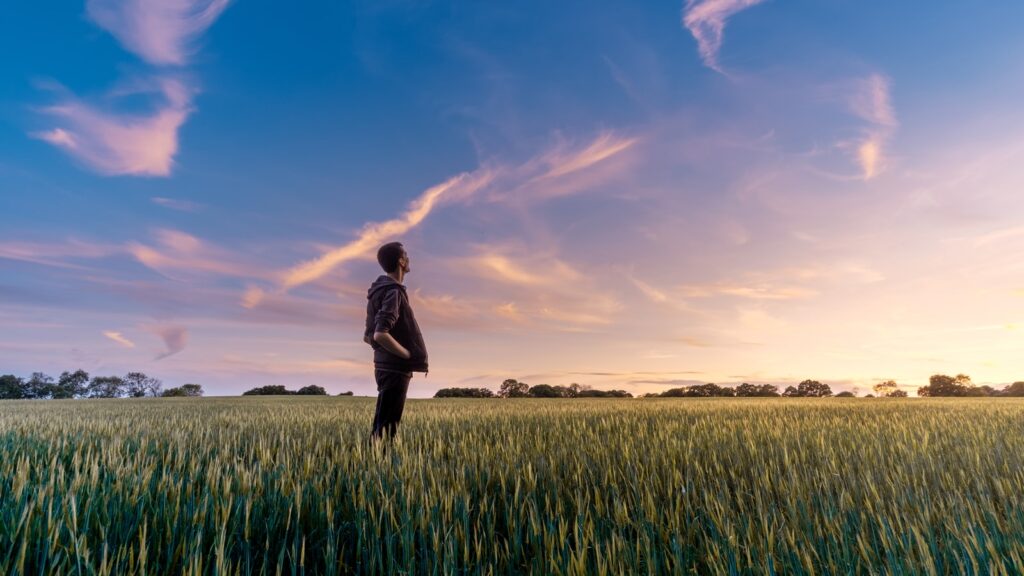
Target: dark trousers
(391, 390)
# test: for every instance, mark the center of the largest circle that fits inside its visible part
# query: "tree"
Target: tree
(106, 387)
(270, 390)
(464, 393)
(346, 393)
(897, 394)
(757, 390)
(708, 390)
(1015, 389)
(11, 387)
(546, 391)
(808, 389)
(846, 394)
(184, 391)
(39, 385)
(137, 385)
(940, 385)
(512, 388)
(605, 394)
(312, 390)
(71, 384)
(885, 388)
(814, 389)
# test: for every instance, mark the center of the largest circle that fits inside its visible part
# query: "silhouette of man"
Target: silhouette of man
(392, 332)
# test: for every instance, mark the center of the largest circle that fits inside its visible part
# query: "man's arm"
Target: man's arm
(388, 341)
(386, 318)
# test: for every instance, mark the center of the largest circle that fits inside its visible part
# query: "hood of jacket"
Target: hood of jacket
(381, 283)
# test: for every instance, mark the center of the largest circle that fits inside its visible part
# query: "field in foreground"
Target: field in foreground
(655, 486)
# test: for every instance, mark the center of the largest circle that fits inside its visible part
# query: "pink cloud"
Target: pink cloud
(504, 182)
(706, 19)
(562, 162)
(56, 254)
(119, 338)
(178, 251)
(121, 143)
(869, 99)
(160, 32)
(373, 234)
(174, 337)
(179, 205)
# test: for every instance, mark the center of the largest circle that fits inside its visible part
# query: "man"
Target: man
(392, 332)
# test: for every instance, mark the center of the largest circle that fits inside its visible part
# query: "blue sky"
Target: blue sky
(629, 195)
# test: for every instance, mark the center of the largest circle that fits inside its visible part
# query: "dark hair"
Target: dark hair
(388, 256)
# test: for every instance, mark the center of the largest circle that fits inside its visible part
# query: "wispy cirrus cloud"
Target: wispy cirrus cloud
(537, 177)
(60, 255)
(870, 100)
(375, 233)
(179, 252)
(561, 161)
(175, 204)
(119, 338)
(161, 33)
(116, 143)
(499, 264)
(706, 19)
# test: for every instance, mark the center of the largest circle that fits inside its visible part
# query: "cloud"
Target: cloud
(658, 296)
(497, 264)
(160, 32)
(115, 142)
(998, 236)
(870, 100)
(178, 251)
(754, 291)
(706, 19)
(375, 233)
(179, 205)
(674, 382)
(56, 254)
(504, 181)
(603, 147)
(567, 168)
(175, 338)
(117, 337)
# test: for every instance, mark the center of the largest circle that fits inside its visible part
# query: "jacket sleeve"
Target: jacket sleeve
(387, 314)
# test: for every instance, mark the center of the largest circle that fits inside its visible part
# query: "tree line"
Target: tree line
(79, 384)
(514, 389)
(280, 390)
(939, 385)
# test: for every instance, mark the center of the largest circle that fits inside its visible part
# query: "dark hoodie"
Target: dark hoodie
(388, 310)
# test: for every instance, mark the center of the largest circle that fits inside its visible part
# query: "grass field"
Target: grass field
(289, 485)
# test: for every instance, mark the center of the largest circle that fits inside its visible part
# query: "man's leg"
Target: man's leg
(392, 389)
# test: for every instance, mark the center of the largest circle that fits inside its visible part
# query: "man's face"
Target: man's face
(403, 262)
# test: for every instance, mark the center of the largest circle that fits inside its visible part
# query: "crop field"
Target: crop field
(291, 485)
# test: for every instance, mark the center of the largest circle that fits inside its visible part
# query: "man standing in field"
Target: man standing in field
(394, 335)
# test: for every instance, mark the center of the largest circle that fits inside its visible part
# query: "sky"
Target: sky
(625, 195)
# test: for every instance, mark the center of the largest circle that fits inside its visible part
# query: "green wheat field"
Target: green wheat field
(290, 485)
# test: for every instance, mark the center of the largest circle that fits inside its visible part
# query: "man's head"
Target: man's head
(392, 258)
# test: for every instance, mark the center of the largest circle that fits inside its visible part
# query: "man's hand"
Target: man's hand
(388, 342)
